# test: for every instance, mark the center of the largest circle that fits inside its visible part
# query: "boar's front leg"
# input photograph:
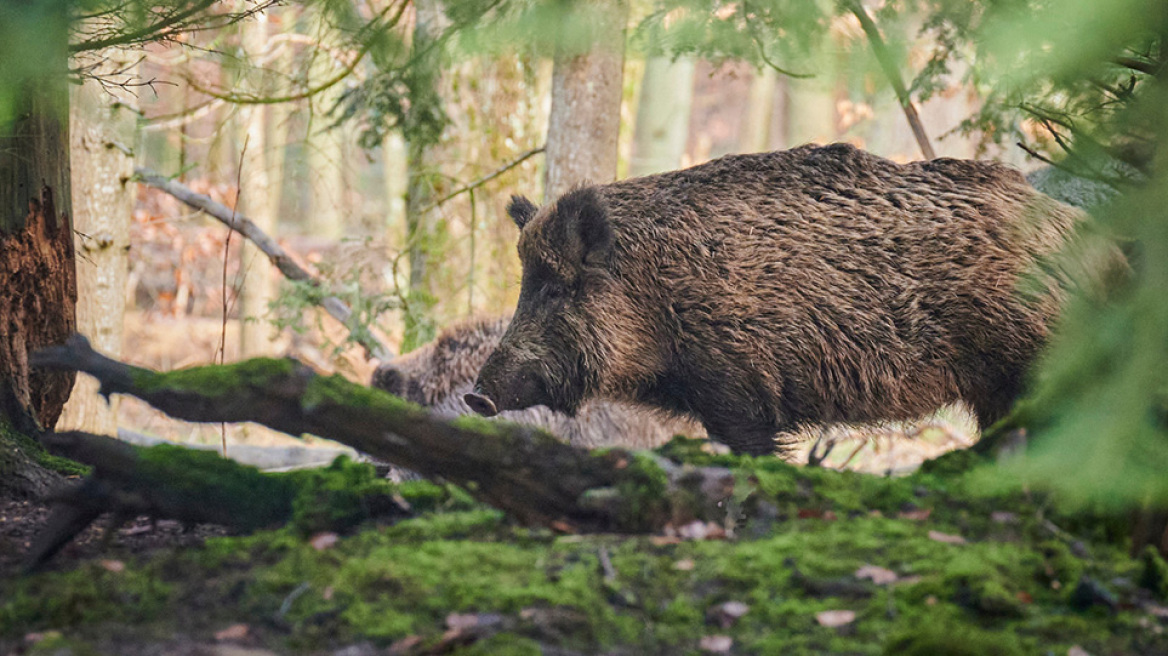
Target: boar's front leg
(751, 440)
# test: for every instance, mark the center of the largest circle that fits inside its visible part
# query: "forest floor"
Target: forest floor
(812, 561)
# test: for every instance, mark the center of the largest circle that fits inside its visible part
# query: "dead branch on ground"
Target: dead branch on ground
(526, 473)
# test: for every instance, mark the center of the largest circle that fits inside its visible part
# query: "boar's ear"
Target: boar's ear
(585, 213)
(521, 210)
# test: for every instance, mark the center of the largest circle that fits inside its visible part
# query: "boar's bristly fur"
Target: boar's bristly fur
(761, 293)
(440, 373)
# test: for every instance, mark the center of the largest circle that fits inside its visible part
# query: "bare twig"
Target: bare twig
(893, 75)
(279, 257)
(483, 180)
(1141, 65)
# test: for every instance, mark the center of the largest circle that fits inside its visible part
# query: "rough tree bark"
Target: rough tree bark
(586, 95)
(662, 116)
(38, 286)
(103, 140)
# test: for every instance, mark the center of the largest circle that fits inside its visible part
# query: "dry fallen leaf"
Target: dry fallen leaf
(834, 618)
(114, 566)
(464, 621)
(328, 593)
(684, 565)
(233, 632)
(946, 537)
(662, 540)
(716, 644)
(694, 530)
(405, 645)
(918, 515)
(323, 541)
(1076, 650)
(727, 613)
(878, 575)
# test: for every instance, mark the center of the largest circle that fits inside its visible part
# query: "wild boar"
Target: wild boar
(439, 374)
(763, 293)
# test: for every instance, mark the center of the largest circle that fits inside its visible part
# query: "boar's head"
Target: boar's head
(573, 333)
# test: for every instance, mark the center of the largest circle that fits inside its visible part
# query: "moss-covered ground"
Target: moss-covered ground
(975, 573)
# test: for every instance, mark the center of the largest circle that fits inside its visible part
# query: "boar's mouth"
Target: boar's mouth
(481, 403)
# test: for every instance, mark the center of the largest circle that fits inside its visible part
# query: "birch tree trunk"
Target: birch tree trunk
(662, 116)
(586, 94)
(103, 140)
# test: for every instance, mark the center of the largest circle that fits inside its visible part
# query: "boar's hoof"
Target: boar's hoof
(481, 404)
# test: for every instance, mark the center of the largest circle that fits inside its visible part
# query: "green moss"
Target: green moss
(954, 463)
(215, 380)
(34, 451)
(604, 593)
(504, 644)
(1154, 574)
(340, 391)
(88, 594)
(952, 639)
(174, 475)
(338, 497)
(641, 491)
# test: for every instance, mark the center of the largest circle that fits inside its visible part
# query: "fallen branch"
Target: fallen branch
(893, 74)
(280, 258)
(195, 487)
(520, 470)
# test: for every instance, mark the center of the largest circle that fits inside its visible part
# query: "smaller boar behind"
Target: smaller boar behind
(439, 374)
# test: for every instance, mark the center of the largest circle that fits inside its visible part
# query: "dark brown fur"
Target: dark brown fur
(440, 373)
(761, 293)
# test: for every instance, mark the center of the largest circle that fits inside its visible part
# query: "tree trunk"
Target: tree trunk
(38, 285)
(103, 140)
(756, 135)
(662, 116)
(586, 95)
(255, 200)
(326, 162)
(422, 172)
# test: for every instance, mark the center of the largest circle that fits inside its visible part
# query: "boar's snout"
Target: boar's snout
(481, 403)
(508, 383)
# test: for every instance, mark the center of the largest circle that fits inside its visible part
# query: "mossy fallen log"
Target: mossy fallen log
(528, 474)
(199, 487)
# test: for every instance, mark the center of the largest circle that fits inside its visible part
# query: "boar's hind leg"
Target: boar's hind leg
(991, 404)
